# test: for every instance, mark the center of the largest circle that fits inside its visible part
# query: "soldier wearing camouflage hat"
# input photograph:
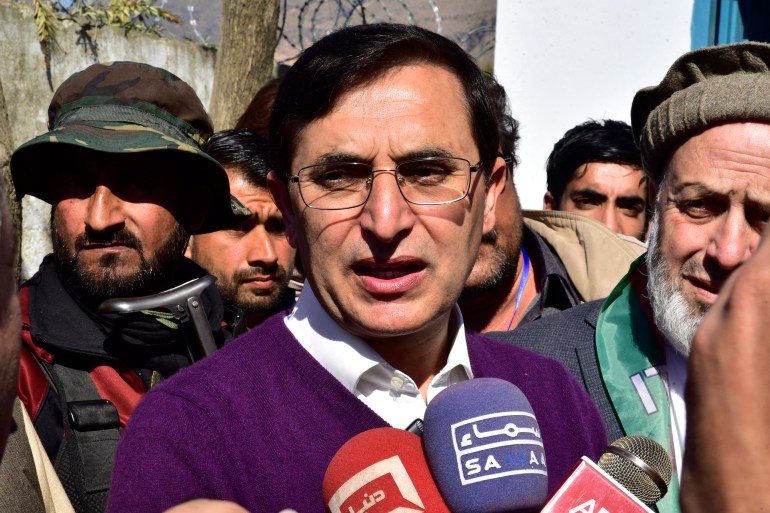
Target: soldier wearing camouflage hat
(123, 169)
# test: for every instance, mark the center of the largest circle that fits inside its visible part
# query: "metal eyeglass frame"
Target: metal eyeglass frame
(472, 168)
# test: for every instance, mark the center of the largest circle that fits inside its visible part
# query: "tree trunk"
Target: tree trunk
(245, 57)
(6, 149)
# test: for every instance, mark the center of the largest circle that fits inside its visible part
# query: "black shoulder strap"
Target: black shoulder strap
(92, 431)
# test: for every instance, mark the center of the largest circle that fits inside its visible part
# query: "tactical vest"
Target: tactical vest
(91, 430)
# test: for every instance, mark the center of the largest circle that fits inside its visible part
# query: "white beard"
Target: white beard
(673, 316)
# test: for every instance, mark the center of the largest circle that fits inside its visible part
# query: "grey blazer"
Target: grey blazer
(568, 337)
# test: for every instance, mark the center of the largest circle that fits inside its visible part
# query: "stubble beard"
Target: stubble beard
(249, 302)
(109, 278)
(673, 316)
(499, 267)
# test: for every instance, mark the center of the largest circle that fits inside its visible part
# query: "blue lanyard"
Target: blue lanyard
(522, 284)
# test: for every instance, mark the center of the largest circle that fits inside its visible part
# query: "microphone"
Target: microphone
(484, 448)
(641, 465)
(633, 472)
(382, 470)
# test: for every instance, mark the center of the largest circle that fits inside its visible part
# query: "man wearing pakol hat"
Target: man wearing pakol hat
(704, 133)
(123, 169)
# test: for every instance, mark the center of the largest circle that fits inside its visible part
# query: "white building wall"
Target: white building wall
(565, 61)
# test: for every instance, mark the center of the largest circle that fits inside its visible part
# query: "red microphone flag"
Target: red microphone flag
(589, 489)
(381, 471)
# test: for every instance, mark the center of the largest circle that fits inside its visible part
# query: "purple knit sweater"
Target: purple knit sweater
(259, 421)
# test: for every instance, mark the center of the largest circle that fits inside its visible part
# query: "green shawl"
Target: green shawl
(631, 359)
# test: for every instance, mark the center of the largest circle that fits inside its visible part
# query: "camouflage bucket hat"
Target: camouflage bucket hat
(128, 108)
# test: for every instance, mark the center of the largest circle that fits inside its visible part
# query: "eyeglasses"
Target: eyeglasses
(426, 181)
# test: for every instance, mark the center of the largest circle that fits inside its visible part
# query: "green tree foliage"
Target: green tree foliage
(138, 15)
(129, 15)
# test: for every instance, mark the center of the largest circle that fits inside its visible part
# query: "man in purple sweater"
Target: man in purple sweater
(384, 148)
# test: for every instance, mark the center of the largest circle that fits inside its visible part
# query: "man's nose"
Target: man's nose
(733, 241)
(261, 248)
(386, 214)
(105, 210)
(611, 218)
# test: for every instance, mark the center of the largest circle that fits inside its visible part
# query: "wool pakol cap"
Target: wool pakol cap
(703, 88)
(128, 108)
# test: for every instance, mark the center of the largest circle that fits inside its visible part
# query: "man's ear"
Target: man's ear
(549, 202)
(495, 187)
(279, 191)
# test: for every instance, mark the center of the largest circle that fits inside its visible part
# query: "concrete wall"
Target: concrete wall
(27, 93)
(564, 62)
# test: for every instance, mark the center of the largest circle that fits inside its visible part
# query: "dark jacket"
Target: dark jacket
(82, 373)
(568, 337)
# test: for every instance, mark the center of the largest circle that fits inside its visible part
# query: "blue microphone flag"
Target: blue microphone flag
(484, 448)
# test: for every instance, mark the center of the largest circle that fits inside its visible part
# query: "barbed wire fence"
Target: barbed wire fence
(304, 22)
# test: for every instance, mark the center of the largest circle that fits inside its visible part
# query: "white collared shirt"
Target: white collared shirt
(390, 393)
(676, 377)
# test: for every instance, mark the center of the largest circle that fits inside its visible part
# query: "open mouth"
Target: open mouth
(387, 272)
(391, 270)
(390, 277)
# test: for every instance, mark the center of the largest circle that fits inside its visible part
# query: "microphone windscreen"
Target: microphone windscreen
(641, 465)
(484, 448)
(382, 470)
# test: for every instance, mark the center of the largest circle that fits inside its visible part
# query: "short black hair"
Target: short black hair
(355, 56)
(607, 141)
(242, 151)
(507, 126)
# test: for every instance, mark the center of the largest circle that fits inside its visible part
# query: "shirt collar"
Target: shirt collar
(347, 357)
(556, 289)
(676, 381)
